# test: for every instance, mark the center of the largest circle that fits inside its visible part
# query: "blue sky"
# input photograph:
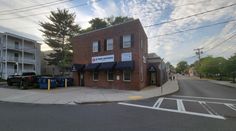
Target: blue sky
(172, 47)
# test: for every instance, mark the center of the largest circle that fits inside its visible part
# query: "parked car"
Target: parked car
(23, 81)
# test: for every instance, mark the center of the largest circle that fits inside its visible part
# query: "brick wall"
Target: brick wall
(82, 48)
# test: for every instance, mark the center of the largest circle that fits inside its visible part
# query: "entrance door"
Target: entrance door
(153, 78)
(81, 78)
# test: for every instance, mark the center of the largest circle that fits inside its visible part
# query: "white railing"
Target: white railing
(19, 60)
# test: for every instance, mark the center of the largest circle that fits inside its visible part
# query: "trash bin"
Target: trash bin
(43, 82)
(61, 81)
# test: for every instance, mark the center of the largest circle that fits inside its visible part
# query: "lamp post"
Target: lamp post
(161, 74)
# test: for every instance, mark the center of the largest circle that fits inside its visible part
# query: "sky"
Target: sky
(160, 19)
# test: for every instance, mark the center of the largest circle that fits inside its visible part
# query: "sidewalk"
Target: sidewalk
(225, 83)
(74, 95)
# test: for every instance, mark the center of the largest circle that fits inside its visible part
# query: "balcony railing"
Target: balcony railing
(19, 60)
(19, 48)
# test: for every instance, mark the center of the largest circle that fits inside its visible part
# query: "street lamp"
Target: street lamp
(161, 74)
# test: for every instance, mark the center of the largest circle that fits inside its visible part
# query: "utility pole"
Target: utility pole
(198, 53)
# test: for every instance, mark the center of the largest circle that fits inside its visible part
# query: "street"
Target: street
(199, 105)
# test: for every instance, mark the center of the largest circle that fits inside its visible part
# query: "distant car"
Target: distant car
(23, 81)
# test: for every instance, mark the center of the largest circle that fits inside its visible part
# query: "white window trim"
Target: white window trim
(93, 76)
(95, 42)
(108, 76)
(110, 43)
(124, 76)
(123, 42)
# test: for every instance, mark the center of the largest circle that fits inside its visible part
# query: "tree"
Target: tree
(230, 67)
(57, 34)
(182, 67)
(117, 20)
(97, 23)
(211, 66)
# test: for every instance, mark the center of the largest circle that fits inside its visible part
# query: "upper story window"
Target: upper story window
(126, 41)
(109, 44)
(16, 44)
(95, 46)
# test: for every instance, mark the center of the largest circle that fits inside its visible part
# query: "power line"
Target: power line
(177, 19)
(221, 43)
(200, 27)
(42, 4)
(19, 17)
(177, 6)
(213, 41)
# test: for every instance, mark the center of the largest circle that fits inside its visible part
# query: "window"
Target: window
(16, 44)
(109, 44)
(110, 75)
(95, 46)
(126, 75)
(95, 75)
(126, 56)
(126, 41)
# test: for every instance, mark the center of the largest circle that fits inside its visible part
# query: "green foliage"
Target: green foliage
(231, 64)
(210, 66)
(182, 67)
(57, 34)
(98, 23)
(117, 20)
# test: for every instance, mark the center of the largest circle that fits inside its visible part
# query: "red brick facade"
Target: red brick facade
(82, 49)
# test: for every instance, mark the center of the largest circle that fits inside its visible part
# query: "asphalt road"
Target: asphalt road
(203, 108)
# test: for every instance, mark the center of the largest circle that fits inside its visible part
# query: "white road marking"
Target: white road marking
(205, 107)
(210, 98)
(158, 102)
(176, 111)
(198, 101)
(231, 106)
(180, 105)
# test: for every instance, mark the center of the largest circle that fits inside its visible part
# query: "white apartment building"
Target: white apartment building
(18, 54)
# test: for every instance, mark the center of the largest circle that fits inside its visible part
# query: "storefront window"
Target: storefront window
(95, 75)
(110, 75)
(126, 75)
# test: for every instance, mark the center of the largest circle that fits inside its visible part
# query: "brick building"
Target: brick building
(112, 57)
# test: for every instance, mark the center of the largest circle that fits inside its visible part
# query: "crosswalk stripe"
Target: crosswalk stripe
(176, 111)
(158, 103)
(180, 105)
(231, 106)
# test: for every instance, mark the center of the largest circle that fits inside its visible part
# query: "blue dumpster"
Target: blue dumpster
(61, 81)
(43, 82)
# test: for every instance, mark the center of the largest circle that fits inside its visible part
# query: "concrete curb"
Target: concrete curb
(101, 101)
(218, 83)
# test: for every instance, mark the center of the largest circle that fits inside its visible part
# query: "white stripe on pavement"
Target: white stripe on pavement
(180, 105)
(176, 111)
(205, 107)
(158, 102)
(197, 101)
(210, 98)
(231, 106)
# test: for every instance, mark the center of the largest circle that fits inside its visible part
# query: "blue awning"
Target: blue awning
(77, 67)
(125, 65)
(107, 66)
(92, 67)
